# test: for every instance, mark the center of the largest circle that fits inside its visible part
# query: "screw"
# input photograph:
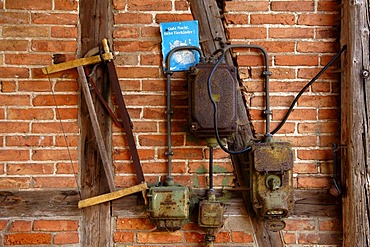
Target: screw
(365, 73)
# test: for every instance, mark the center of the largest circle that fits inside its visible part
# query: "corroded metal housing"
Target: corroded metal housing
(224, 88)
(272, 181)
(211, 214)
(169, 207)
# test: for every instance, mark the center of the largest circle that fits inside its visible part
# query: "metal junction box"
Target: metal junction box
(211, 214)
(169, 206)
(224, 88)
(272, 181)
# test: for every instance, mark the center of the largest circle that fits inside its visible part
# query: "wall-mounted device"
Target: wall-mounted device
(169, 204)
(272, 182)
(224, 89)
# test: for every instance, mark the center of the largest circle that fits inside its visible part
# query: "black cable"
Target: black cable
(214, 104)
(305, 87)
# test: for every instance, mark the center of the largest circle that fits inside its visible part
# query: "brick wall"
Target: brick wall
(300, 36)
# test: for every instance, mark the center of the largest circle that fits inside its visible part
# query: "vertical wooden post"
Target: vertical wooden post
(96, 24)
(355, 93)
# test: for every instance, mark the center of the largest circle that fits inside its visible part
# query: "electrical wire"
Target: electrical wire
(307, 86)
(267, 73)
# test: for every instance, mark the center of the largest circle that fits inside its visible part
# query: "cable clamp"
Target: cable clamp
(267, 72)
(267, 112)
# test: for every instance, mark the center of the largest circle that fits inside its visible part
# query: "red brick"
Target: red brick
(63, 32)
(223, 237)
(300, 60)
(148, 100)
(14, 18)
(25, 31)
(160, 140)
(126, 32)
(291, 33)
(14, 182)
(119, 5)
(8, 86)
(55, 225)
(52, 100)
(313, 182)
(328, 6)
(159, 237)
(330, 225)
(327, 141)
(247, 33)
(159, 18)
(54, 127)
(283, 19)
(54, 46)
(289, 238)
(54, 182)
(299, 141)
(318, 19)
(28, 169)
(138, 46)
(124, 237)
(29, 5)
(27, 238)
(54, 18)
(317, 47)
(13, 72)
(327, 33)
(3, 224)
(299, 225)
(181, 5)
(316, 154)
(134, 224)
(54, 154)
(246, 6)
(159, 167)
(14, 127)
(241, 237)
(67, 168)
(318, 100)
(306, 168)
(132, 18)
(71, 5)
(26, 59)
(30, 114)
(193, 237)
(33, 86)
(20, 226)
(149, 31)
(318, 128)
(236, 18)
(66, 238)
(294, 6)
(149, 5)
(67, 113)
(13, 45)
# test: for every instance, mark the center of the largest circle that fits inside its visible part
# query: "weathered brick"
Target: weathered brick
(193, 237)
(313, 182)
(14, 18)
(52, 100)
(294, 6)
(14, 182)
(63, 32)
(20, 226)
(27, 169)
(149, 5)
(134, 224)
(283, 19)
(14, 72)
(124, 237)
(68, 5)
(159, 237)
(64, 238)
(28, 239)
(159, 18)
(55, 225)
(241, 237)
(318, 19)
(54, 46)
(232, 6)
(29, 5)
(25, 31)
(291, 33)
(54, 154)
(54, 18)
(54, 182)
(126, 32)
(247, 33)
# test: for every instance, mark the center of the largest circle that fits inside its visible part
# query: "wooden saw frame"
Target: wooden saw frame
(107, 56)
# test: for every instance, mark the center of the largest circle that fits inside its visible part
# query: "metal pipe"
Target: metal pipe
(210, 169)
(267, 73)
(169, 111)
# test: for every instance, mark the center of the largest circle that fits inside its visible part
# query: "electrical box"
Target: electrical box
(211, 214)
(169, 207)
(224, 88)
(272, 182)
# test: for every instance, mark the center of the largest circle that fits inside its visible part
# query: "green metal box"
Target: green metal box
(169, 206)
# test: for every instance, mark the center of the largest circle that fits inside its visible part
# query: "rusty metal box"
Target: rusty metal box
(211, 214)
(169, 202)
(224, 90)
